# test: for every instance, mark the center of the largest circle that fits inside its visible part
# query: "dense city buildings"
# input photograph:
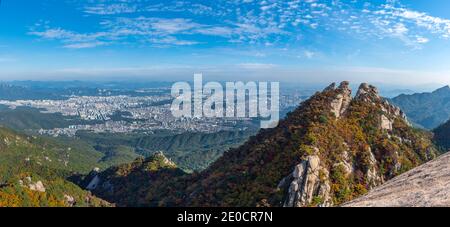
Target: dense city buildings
(127, 113)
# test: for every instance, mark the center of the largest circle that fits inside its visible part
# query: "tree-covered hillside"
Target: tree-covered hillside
(428, 110)
(442, 136)
(33, 172)
(332, 149)
(191, 151)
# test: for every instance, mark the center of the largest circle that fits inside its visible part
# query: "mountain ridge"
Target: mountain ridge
(442, 136)
(124, 185)
(428, 109)
(330, 150)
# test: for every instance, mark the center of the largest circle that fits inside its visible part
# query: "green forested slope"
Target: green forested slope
(33, 172)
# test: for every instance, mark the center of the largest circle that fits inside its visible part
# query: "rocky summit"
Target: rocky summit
(424, 186)
(128, 184)
(311, 183)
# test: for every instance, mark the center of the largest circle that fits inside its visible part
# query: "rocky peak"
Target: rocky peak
(330, 87)
(367, 92)
(158, 161)
(442, 90)
(342, 98)
(344, 86)
(312, 180)
(124, 184)
(161, 157)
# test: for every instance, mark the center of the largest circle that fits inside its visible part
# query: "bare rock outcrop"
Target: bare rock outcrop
(69, 200)
(308, 181)
(372, 174)
(38, 186)
(343, 98)
(367, 93)
(33, 186)
(386, 123)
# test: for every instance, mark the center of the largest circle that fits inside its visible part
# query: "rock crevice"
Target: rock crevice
(309, 181)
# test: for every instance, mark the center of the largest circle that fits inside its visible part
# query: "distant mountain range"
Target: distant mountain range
(427, 110)
(330, 150)
(57, 90)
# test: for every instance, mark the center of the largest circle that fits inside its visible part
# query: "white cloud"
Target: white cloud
(309, 54)
(84, 45)
(171, 26)
(105, 9)
(256, 66)
(247, 21)
(152, 30)
(170, 40)
(414, 24)
(216, 31)
(433, 24)
(72, 40)
(422, 40)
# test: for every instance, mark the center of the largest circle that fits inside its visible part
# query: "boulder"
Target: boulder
(38, 186)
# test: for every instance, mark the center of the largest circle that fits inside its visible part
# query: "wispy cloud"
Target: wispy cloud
(269, 22)
(432, 24)
(113, 9)
(84, 45)
(72, 40)
(256, 66)
(408, 25)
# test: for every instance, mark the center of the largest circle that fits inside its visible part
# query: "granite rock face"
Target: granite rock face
(367, 93)
(306, 183)
(386, 123)
(343, 98)
(374, 178)
(425, 186)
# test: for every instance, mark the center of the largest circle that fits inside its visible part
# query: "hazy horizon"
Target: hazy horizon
(386, 90)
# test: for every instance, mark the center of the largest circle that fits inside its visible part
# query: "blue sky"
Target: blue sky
(303, 41)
